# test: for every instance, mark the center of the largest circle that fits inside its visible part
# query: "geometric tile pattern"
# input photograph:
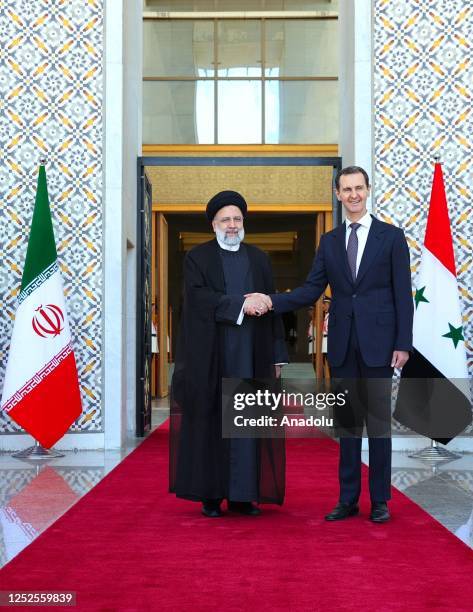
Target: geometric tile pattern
(51, 81)
(423, 93)
(14, 481)
(404, 478)
(462, 478)
(81, 480)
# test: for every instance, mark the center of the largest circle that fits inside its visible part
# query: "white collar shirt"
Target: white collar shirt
(361, 232)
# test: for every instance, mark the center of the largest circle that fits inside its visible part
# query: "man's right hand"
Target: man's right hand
(257, 304)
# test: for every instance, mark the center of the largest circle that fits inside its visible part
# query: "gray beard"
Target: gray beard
(230, 240)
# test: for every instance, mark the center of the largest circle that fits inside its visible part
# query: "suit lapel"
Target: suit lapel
(372, 247)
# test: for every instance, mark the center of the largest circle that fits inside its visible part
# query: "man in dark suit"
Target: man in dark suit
(366, 264)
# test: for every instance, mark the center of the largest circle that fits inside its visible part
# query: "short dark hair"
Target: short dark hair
(351, 170)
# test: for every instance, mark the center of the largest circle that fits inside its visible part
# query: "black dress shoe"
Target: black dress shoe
(244, 508)
(342, 511)
(379, 512)
(211, 509)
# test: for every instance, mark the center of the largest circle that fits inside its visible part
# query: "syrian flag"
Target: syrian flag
(41, 388)
(434, 396)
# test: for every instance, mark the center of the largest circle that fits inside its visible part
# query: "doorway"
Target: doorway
(288, 230)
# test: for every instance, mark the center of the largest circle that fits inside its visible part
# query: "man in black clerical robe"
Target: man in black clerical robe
(217, 340)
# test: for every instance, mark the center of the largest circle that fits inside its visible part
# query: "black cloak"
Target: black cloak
(198, 455)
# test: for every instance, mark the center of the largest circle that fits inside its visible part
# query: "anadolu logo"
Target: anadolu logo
(48, 321)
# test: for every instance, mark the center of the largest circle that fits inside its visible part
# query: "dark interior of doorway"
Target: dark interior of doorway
(290, 268)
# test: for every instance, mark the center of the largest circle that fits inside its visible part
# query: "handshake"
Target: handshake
(257, 304)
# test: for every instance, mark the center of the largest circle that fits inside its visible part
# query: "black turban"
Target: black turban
(225, 198)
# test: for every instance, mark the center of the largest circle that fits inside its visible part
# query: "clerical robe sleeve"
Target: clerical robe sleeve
(229, 309)
(207, 301)
(202, 299)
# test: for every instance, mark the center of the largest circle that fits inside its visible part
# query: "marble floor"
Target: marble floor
(33, 496)
(35, 493)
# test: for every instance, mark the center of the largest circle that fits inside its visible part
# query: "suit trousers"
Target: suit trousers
(369, 405)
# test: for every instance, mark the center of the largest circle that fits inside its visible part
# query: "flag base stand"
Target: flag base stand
(37, 452)
(435, 453)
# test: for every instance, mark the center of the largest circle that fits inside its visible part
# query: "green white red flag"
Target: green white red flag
(41, 387)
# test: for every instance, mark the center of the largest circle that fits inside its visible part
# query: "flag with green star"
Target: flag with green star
(438, 334)
(438, 325)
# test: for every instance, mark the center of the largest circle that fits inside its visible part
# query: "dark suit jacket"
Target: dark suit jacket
(379, 302)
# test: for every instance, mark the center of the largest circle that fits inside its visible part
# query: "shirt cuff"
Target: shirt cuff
(282, 363)
(240, 317)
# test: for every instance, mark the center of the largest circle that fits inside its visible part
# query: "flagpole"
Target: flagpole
(37, 452)
(435, 452)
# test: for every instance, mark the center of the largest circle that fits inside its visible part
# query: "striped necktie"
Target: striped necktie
(352, 248)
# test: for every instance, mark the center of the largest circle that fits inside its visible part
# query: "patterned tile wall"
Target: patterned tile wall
(423, 88)
(51, 55)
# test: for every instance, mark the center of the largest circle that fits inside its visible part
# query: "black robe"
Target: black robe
(200, 459)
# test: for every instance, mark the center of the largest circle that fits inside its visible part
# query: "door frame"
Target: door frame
(143, 303)
(160, 285)
(257, 160)
(207, 159)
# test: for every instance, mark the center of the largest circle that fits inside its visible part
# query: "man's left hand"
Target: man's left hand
(399, 359)
(278, 370)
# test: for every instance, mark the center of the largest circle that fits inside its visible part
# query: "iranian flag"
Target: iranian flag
(434, 397)
(41, 388)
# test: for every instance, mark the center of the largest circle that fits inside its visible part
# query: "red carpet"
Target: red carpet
(128, 545)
